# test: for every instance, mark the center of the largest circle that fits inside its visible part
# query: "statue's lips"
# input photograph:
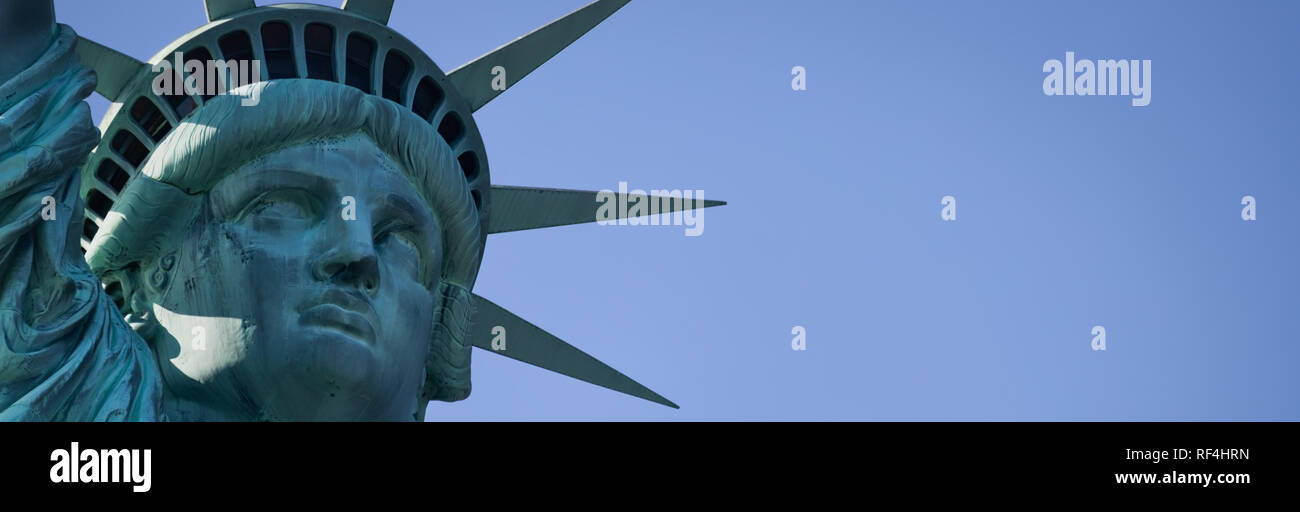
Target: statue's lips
(343, 313)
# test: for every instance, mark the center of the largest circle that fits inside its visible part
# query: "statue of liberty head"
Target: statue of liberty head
(305, 246)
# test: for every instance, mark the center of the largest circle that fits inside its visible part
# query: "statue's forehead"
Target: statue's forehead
(329, 152)
(336, 166)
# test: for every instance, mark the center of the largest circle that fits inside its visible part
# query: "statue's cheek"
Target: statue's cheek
(407, 318)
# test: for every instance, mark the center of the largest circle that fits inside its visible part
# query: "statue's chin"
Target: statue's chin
(314, 373)
(325, 364)
(329, 374)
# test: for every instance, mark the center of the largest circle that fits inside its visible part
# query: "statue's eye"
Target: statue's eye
(285, 205)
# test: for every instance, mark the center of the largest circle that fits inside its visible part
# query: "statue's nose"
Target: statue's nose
(350, 258)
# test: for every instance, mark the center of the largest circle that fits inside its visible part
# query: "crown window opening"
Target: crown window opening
(397, 68)
(181, 104)
(150, 119)
(129, 147)
(277, 46)
(236, 46)
(203, 57)
(451, 128)
(98, 203)
(361, 55)
(428, 97)
(88, 230)
(318, 41)
(469, 164)
(109, 173)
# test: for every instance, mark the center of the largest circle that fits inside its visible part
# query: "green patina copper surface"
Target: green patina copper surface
(299, 248)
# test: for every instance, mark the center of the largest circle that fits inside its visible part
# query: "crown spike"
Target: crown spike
(376, 10)
(520, 208)
(113, 68)
(218, 9)
(530, 344)
(520, 57)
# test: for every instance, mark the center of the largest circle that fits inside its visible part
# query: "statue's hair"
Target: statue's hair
(223, 135)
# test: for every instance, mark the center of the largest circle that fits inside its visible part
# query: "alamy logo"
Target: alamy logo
(1100, 78)
(216, 77)
(636, 208)
(102, 466)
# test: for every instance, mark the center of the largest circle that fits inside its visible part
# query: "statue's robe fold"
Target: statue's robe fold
(67, 354)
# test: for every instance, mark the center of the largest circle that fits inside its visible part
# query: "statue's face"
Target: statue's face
(306, 292)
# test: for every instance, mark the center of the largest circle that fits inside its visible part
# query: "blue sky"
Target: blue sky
(1072, 211)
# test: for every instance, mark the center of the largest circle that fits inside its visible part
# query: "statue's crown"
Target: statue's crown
(351, 45)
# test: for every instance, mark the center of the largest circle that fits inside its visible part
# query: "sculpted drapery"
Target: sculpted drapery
(67, 353)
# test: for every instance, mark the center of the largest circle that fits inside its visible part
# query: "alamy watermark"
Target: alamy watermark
(949, 210)
(91, 466)
(1101, 78)
(637, 208)
(206, 78)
